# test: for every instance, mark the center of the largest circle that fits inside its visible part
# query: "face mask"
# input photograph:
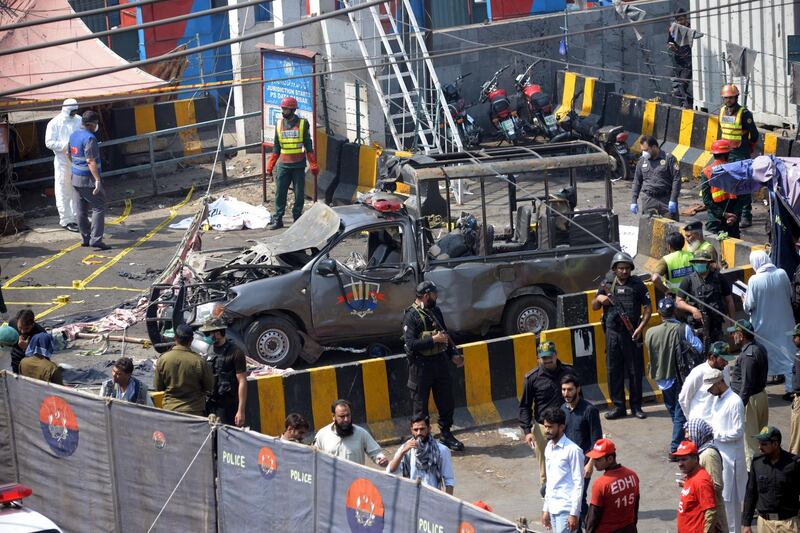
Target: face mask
(208, 340)
(700, 268)
(96, 128)
(645, 155)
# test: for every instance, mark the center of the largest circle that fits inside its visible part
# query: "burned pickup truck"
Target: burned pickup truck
(343, 276)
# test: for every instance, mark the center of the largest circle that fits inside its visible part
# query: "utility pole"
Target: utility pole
(236, 29)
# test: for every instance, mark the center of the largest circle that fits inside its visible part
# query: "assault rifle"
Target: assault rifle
(620, 311)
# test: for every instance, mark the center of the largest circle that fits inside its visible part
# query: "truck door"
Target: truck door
(363, 285)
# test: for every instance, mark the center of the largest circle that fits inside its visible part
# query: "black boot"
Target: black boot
(276, 224)
(616, 413)
(449, 440)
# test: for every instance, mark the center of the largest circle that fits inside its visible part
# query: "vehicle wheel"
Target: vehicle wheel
(621, 172)
(529, 314)
(273, 341)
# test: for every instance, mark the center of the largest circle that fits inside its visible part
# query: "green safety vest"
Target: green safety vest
(678, 267)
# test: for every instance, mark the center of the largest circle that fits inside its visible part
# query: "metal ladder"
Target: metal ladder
(408, 89)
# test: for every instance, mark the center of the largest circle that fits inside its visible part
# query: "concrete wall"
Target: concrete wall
(612, 50)
(335, 42)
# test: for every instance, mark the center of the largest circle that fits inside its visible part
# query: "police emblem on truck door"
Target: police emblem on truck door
(361, 297)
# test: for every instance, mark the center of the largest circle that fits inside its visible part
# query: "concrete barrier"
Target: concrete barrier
(652, 244)
(777, 145)
(689, 137)
(575, 310)
(487, 390)
(639, 117)
(592, 100)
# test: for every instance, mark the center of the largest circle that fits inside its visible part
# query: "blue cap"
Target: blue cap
(42, 344)
(666, 304)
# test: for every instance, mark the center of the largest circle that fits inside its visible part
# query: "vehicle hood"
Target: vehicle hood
(312, 230)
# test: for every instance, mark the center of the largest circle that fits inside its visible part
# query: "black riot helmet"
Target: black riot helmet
(621, 257)
(426, 287)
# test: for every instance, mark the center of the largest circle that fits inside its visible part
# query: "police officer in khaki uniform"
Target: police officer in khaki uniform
(430, 352)
(658, 179)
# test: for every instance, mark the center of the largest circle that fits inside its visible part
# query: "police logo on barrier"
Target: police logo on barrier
(364, 507)
(466, 527)
(159, 440)
(267, 463)
(59, 426)
(361, 297)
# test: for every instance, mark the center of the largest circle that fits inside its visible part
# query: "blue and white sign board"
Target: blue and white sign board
(282, 74)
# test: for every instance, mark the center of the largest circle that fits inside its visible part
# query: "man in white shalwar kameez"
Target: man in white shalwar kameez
(768, 303)
(693, 399)
(727, 419)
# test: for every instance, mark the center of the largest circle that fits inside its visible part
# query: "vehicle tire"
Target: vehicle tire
(274, 341)
(621, 172)
(529, 314)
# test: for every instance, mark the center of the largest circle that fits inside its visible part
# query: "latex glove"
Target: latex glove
(273, 158)
(672, 207)
(312, 163)
(634, 208)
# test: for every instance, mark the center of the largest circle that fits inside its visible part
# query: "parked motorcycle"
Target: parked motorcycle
(541, 119)
(468, 130)
(612, 139)
(501, 114)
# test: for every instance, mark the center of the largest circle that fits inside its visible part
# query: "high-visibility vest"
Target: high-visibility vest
(717, 194)
(731, 126)
(291, 140)
(678, 267)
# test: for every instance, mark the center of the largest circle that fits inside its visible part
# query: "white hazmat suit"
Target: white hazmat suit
(57, 139)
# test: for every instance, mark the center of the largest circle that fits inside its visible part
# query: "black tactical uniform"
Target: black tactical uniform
(712, 291)
(226, 361)
(429, 364)
(624, 356)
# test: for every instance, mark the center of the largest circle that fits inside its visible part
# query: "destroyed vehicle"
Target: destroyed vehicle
(344, 275)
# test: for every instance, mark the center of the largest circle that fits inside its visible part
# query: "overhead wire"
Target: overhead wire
(504, 45)
(183, 53)
(410, 60)
(686, 295)
(74, 15)
(137, 27)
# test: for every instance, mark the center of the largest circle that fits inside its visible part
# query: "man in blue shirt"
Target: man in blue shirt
(424, 457)
(123, 386)
(582, 427)
(84, 153)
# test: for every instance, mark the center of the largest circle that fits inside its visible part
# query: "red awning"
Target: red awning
(19, 70)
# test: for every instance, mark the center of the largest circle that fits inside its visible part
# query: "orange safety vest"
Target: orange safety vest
(717, 194)
(731, 126)
(291, 140)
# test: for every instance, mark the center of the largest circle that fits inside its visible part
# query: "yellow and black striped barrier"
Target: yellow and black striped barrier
(150, 118)
(345, 168)
(639, 117)
(487, 390)
(689, 137)
(590, 102)
(652, 244)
